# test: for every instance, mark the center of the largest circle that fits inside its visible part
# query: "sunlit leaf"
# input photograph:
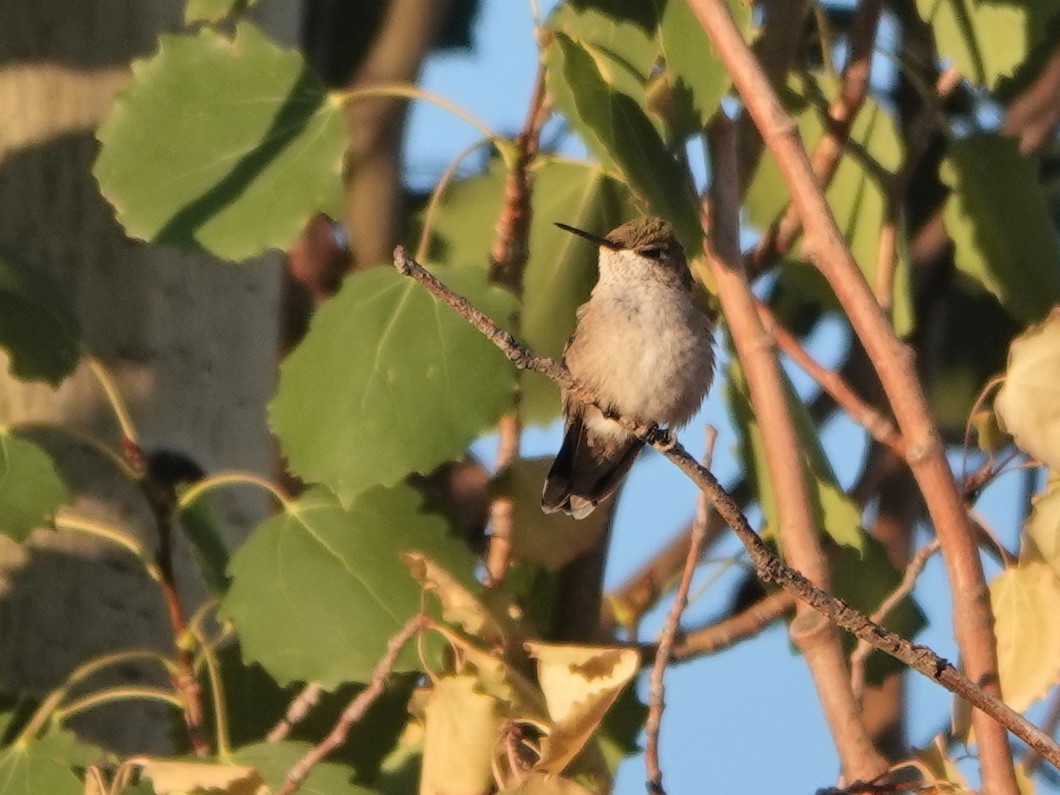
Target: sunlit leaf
(940, 769)
(999, 221)
(224, 145)
(549, 540)
(272, 761)
(176, 776)
(1028, 403)
(390, 381)
(317, 591)
(38, 327)
(580, 684)
(1041, 537)
(31, 490)
(561, 268)
(537, 783)
(461, 728)
(619, 133)
(459, 605)
(1026, 601)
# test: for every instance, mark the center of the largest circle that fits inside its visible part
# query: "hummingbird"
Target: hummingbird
(643, 347)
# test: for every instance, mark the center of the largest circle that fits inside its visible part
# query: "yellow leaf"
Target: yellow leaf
(461, 727)
(459, 605)
(1042, 532)
(938, 768)
(580, 684)
(1026, 602)
(1028, 403)
(174, 776)
(538, 783)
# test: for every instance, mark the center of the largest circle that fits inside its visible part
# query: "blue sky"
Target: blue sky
(747, 720)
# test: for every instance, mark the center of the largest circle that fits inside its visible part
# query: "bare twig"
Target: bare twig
(861, 652)
(1051, 721)
(825, 248)
(657, 692)
(817, 639)
(879, 427)
(768, 566)
(306, 699)
(730, 631)
(356, 708)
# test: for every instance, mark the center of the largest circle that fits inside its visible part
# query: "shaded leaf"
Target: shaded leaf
(461, 728)
(1026, 601)
(31, 490)
(202, 527)
(580, 684)
(619, 133)
(855, 195)
(561, 268)
(45, 765)
(223, 145)
(38, 327)
(837, 514)
(1041, 535)
(998, 218)
(549, 540)
(212, 10)
(272, 761)
(537, 783)
(390, 381)
(319, 590)
(1028, 403)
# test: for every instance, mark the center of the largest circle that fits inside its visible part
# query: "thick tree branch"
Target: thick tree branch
(768, 566)
(816, 638)
(826, 249)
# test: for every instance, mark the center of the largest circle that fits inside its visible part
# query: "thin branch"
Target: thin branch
(817, 639)
(657, 692)
(1049, 723)
(297, 710)
(879, 426)
(825, 248)
(768, 566)
(730, 631)
(861, 652)
(356, 709)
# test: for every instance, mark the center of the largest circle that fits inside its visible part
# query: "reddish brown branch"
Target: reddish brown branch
(766, 563)
(825, 248)
(297, 711)
(730, 631)
(817, 639)
(356, 708)
(657, 691)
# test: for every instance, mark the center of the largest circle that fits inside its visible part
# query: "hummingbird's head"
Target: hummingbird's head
(642, 248)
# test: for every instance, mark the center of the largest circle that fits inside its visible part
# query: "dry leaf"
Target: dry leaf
(461, 726)
(938, 768)
(1026, 602)
(1028, 404)
(459, 605)
(538, 783)
(174, 776)
(1042, 532)
(580, 684)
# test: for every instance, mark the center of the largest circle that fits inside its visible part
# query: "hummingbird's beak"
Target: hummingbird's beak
(600, 241)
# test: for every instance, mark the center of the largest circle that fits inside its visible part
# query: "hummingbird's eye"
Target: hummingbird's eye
(653, 252)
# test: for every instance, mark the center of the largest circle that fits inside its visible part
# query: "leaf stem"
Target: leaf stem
(189, 496)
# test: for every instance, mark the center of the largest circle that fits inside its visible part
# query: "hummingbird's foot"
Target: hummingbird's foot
(662, 438)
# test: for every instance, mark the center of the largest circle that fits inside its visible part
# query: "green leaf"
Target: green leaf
(223, 145)
(274, 760)
(389, 381)
(212, 10)
(985, 40)
(38, 327)
(857, 199)
(549, 540)
(45, 765)
(561, 268)
(203, 529)
(836, 513)
(318, 591)
(1000, 224)
(619, 133)
(693, 68)
(31, 490)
